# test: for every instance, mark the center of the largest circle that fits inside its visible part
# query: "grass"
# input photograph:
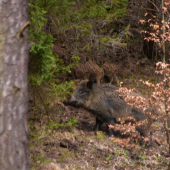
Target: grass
(100, 135)
(65, 153)
(71, 124)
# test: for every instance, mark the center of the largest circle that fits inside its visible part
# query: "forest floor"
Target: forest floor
(64, 137)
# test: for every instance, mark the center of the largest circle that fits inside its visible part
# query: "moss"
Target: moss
(100, 135)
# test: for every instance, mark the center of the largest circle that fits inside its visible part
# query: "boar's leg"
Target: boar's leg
(110, 121)
(98, 80)
(110, 132)
(98, 123)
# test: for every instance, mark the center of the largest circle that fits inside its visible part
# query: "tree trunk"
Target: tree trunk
(13, 84)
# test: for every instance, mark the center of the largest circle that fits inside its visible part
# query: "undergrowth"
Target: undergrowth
(71, 124)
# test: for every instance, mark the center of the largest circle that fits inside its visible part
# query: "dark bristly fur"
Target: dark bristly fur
(106, 104)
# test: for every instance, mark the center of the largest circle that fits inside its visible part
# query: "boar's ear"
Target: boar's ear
(89, 84)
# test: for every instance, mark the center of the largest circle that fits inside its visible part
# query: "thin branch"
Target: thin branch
(153, 5)
(167, 135)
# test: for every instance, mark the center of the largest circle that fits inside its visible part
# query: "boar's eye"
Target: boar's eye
(82, 92)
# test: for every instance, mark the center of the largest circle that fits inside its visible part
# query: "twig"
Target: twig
(154, 5)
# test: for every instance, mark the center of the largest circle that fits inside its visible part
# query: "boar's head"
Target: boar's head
(81, 97)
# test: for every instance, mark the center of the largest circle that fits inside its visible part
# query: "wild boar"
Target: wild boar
(79, 71)
(110, 71)
(96, 73)
(88, 70)
(106, 104)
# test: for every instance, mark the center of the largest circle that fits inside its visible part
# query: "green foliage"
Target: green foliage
(58, 11)
(142, 163)
(143, 87)
(100, 135)
(142, 75)
(41, 159)
(41, 61)
(65, 153)
(41, 57)
(92, 12)
(30, 122)
(62, 89)
(32, 146)
(109, 158)
(43, 64)
(45, 68)
(126, 153)
(71, 124)
(98, 9)
(143, 157)
(36, 136)
(117, 152)
(165, 162)
(75, 60)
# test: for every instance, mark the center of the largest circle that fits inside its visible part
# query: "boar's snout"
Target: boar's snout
(71, 101)
(66, 103)
(74, 103)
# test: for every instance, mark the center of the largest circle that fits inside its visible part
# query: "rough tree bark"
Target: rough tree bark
(13, 84)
